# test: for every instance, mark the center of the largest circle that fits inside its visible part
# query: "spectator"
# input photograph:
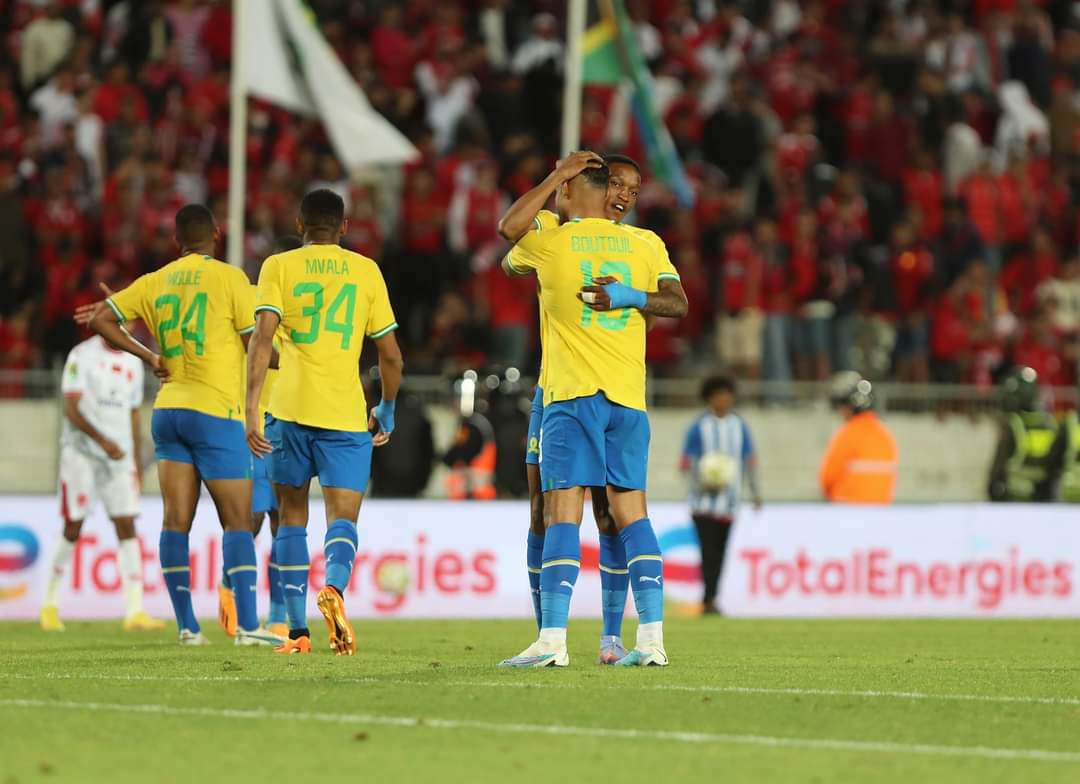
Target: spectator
(1060, 296)
(912, 269)
(56, 105)
(475, 210)
(542, 47)
(45, 43)
(777, 280)
(739, 321)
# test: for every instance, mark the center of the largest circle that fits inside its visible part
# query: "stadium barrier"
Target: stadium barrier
(429, 559)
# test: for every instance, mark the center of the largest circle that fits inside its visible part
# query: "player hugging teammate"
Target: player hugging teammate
(593, 430)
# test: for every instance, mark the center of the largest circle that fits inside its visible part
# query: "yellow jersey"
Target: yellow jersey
(328, 299)
(197, 307)
(545, 220)
(587, 351)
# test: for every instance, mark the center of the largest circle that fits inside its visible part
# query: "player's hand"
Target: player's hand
(577, 162)
(257, 442)
(158, 365)
(607, 293)
(112, 449)
(84, 314)
(382, 417)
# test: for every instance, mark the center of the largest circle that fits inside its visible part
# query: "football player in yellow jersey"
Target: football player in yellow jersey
(594, 431)
(527, 214)
(202, 312)
(263, 505)
(326, 300)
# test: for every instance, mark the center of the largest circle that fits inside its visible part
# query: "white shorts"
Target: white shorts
(85, 479)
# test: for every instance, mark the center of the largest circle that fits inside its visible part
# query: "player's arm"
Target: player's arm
(607, 293)
(79, 422)
(381, 328)
(107, 323)
(391, 366)
(667, 301)
(517, 221)
(260, 347)
(528, 255)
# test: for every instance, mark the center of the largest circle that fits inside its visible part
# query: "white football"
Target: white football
(717, 471)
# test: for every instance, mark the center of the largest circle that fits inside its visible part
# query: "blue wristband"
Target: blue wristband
(384, 415)
(623, 296)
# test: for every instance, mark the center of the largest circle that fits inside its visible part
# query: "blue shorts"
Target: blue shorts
(536, 416)
(340, 458)
(591, 442)
(217, 447)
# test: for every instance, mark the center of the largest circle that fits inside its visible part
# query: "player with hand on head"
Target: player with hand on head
(326, 301)
(201, 311)
(594, 432)
(525, 215)
(263, 505)
(100, 458)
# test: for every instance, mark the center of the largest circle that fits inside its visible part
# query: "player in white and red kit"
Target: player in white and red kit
(99, 459)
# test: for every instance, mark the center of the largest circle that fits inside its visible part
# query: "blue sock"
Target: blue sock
(176, 569)
(293, 563)
(340, 549)
(238, 552)
(225, 581)
(646, 567)
(534, 559)
(559, 572)
(277, 601)
(614, 582)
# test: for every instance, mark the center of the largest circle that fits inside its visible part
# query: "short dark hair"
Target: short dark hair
(194, 224)
(287, 242)
(322, 209)
(597, 176)
(615, 157)
(714, 384)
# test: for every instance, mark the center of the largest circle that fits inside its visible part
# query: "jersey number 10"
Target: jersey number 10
(346, 298)
(616, 269)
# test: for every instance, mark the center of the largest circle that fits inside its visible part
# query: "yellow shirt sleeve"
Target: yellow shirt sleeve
(130, 304)
(545, 220)
(243, 304)
(269, 289)
(529, 253)
(381, 319)
(663, 268)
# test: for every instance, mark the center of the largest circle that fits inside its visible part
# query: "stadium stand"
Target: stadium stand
(884, 186)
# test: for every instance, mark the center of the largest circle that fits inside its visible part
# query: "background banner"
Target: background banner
(429, 559)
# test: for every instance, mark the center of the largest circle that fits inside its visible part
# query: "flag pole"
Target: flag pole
(571, 119)
(234, 253)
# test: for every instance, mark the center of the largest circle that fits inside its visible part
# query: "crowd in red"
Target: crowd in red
(879, 184)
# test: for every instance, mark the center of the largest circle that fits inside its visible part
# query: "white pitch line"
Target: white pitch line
(522, 684)
(417, 722)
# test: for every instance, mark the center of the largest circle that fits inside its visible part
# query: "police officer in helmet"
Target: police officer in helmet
(1021, 470)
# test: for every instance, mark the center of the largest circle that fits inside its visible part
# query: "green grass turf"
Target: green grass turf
(423, 672)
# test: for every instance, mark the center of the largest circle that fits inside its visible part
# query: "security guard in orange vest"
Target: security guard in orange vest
(1021, 470)
(861, 461)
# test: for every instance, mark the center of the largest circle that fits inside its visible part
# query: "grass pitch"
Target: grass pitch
(753, 701)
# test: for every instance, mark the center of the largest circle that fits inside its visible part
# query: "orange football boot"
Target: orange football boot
(226, 610)
(299, 645)
(342, 636)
